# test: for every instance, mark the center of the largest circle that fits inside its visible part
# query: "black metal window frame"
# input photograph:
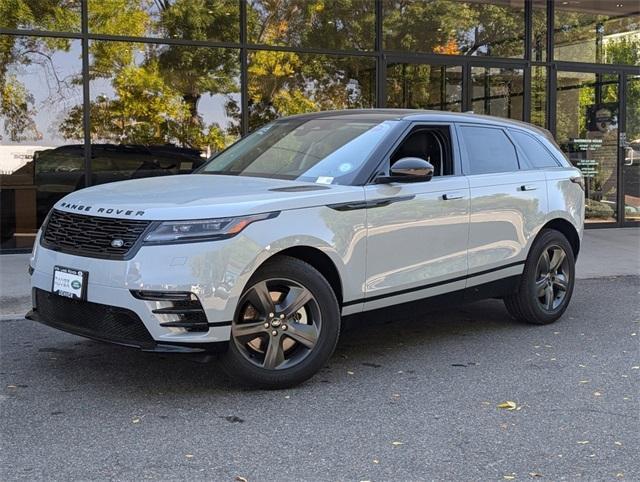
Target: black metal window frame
(382, 57)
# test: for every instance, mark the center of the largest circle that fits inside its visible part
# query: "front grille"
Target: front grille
(93, 320)
(91, 235)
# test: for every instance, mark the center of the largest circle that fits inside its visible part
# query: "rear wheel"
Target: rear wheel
(285, 328)
(547, 282)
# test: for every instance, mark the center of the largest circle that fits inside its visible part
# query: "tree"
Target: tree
(17, 104)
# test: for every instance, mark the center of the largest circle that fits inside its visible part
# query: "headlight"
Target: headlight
(168, 232)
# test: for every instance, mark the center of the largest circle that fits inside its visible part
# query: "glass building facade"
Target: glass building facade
(94, 91)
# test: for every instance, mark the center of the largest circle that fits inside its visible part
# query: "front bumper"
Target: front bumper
(214, 272)
(104, 323)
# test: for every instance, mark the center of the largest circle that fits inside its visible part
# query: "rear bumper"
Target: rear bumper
(105, 323)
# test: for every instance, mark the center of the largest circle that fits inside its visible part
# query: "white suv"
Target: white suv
(260, 253)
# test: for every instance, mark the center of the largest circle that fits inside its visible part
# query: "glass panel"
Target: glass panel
(287, 83)
(587, 131)
(539, 31)
(454, 27)
(52, 15)
(329, 151)
(482, 143)
(537, 155)
(214, 20)
(631, 176)
(600, 32)
(41, 152)
(421, 86)
(328, 24)
(160, 109)
(497, 91)
(539, 96)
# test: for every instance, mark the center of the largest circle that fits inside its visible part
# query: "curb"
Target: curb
(12, 317)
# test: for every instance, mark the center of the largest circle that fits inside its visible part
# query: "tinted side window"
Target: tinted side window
(536, 153)
(489, 150)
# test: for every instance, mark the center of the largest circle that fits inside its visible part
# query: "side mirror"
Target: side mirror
(408, 169)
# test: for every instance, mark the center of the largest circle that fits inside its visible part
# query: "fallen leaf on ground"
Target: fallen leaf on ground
(189, 456)
(240, 479)
(397, 443)
(597, 394)
(136, 420)
(376, 461)
(583, 442)
(350, 372)
(508, 477)
(535, 474)
(508, 405)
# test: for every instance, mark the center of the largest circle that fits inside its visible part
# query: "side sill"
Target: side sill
(493, 289)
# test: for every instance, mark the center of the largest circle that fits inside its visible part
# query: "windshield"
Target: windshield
(326, 151)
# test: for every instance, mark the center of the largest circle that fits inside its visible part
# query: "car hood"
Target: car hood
(199, 196)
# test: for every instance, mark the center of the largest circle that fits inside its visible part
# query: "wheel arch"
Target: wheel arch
(568, 230)
(320, 261)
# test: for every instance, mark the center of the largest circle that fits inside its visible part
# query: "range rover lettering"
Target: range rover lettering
(261, 252)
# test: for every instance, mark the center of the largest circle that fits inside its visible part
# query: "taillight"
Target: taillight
(579, 180)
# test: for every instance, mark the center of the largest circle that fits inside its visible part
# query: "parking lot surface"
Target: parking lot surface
(403, 398)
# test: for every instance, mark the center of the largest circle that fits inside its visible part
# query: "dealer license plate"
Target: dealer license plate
(69, 282)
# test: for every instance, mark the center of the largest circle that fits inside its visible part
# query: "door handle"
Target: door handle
(452, 195)
(528, 187)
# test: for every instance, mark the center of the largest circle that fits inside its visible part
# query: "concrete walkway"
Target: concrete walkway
(605, 252)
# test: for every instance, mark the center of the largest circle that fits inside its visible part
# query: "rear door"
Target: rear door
(508, 202)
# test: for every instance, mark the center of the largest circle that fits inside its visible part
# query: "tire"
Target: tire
(542, 298)
(286, 326)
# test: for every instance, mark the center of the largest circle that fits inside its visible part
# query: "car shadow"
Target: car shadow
(367, 341)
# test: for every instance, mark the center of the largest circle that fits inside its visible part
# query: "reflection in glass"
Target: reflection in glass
(327, 151)
(497, 91)
(539, 96)
(539, 31)
(587, 131)
(287, 83)
(159, 109)
(422, 86)
(51, 15)
(213, 20)
(39, 162)
(455, 27)
(606, 32)
(631, 174)
(328, 24)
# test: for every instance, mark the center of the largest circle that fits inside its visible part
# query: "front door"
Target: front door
(417, 232)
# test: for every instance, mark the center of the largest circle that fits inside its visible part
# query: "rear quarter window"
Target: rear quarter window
(535, 152)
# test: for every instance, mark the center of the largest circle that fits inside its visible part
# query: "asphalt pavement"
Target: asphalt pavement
(402, 399)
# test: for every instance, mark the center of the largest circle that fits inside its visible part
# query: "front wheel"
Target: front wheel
(547, 282)
(285, 328)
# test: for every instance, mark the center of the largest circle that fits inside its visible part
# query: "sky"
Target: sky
(53, 98)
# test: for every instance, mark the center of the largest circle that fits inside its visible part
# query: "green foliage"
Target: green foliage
(16, 107)
(155, 90)
(597, 209)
